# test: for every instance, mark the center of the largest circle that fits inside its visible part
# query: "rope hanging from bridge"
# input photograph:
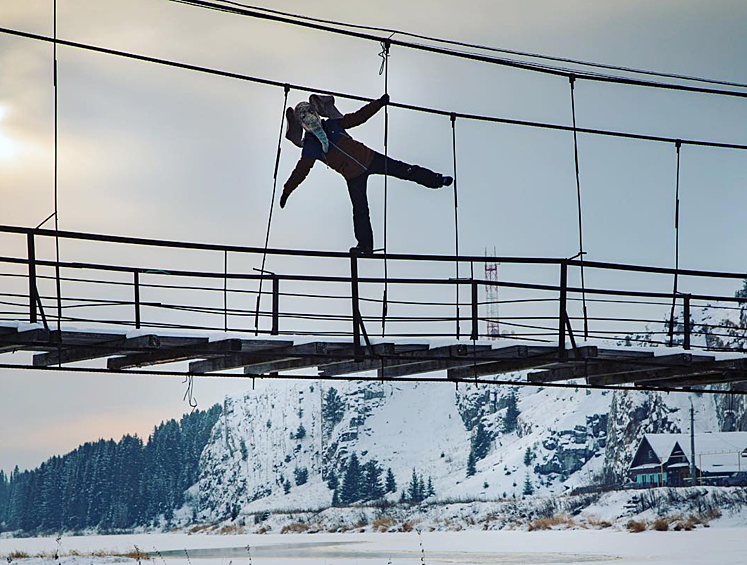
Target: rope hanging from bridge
(581, 251)
(272, 205)
(676, 247)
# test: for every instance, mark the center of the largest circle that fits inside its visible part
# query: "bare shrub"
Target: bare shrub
(294, 528)
(552, 522)
(661, 524)
(598, 524)
(230, 529)
(382, 523)
(636, 526)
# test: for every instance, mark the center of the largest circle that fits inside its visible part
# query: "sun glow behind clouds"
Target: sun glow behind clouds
(8, 148)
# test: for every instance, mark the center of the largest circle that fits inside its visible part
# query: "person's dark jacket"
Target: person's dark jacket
(347, 156)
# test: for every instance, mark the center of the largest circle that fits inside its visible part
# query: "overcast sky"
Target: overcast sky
(158, 152)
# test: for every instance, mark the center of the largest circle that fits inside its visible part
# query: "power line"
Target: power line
(422, 109)
(580, 62)
(254, 13)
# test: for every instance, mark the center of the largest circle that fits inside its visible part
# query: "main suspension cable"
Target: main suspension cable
(527, 54)
(412, 107)
(541, 68)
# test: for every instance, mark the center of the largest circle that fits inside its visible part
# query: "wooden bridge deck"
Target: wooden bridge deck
(656, 367)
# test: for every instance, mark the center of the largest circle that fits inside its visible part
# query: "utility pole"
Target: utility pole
(692, 444)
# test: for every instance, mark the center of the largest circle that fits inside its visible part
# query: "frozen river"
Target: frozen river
(722, 546)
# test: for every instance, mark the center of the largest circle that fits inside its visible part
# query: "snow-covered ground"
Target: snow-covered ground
(722, 546)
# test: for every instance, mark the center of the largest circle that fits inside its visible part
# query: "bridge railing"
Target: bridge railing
(147, 283)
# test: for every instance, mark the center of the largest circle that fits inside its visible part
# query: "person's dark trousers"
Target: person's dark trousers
(379, 166)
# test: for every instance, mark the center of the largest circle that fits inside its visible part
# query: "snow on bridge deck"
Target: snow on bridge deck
(215, 352)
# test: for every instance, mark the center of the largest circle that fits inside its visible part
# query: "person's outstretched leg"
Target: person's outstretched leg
(415, 173)
(361, 216)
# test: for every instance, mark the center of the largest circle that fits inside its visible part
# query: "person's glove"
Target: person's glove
(384, 100)
(284, 199)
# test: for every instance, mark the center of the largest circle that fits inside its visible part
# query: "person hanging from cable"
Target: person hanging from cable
(327, 140)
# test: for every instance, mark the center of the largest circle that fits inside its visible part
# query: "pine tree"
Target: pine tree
(301, 474)
(372, 487)
(511, 419)
(286, 486)
(391, 483)
(528, 457)
(300, 433)
(471, 463)
(413, 491)
(481, 441)
(742, 293)
(335, 498)
(430, 491)
(333, 408)
(351, 482)
(332, 482)
(528, 488)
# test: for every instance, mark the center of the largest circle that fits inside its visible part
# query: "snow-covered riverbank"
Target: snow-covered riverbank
(725, 546)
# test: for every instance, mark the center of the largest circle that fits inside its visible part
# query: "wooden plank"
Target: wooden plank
(96, 350)
(196, 347)
(667, 372)
(615, 366)
(339, 353)
(30, 339)
(472, 358)
(535, 357)
(417, 356)
(720, 377)
(280, 351)
(353, 367)
(435, 359)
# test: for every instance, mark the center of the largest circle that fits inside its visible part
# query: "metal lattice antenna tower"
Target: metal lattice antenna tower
(491, 296)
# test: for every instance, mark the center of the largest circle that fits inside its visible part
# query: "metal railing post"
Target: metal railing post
(562, 313)
(32, 277)
(686, 300)
(275, 305)
(358, 349)
(136, 280)
(475, 330)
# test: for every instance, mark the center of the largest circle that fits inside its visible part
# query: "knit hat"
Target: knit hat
(324, 106)
(310, 121)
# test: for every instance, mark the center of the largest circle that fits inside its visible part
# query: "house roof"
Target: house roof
(716, 452)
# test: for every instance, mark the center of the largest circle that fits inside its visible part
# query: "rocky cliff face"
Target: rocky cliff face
(275, 447)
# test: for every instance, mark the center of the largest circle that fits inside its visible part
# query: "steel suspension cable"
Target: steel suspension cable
(412, 107)
(581, 251)
(676, 247)
(489, 47)
(530, 66)
(456, 217)
(272, 203)
(385, 68)
(58, 285)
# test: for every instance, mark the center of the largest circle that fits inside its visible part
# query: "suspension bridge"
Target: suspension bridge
(118, 300)
(154, 316)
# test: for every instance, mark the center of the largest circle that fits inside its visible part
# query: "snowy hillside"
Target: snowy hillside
(556, 439)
